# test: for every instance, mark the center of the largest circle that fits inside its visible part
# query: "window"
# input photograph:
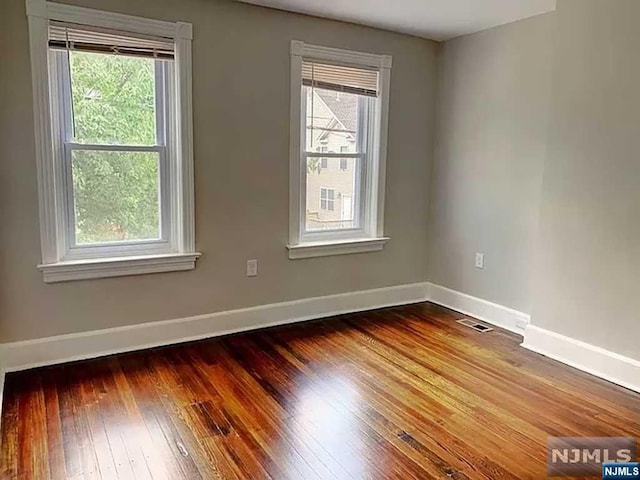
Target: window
(343, 161)
(115, 140)
(327, 199)
(323, 160)
(339, 103)
(112, 146)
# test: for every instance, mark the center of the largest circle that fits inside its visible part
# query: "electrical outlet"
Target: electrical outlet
(479, 260)
(252, 268)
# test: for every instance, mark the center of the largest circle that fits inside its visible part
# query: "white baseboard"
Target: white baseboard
(597, 361)
(488, 312)
(78, 346)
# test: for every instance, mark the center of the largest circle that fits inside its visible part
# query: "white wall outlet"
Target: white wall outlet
(479, 260)
(252, 268)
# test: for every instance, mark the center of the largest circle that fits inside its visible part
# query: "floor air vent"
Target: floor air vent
(475, 325)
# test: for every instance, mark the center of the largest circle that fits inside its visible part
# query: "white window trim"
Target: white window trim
(342, 247)
(51, 212)
(338, 242)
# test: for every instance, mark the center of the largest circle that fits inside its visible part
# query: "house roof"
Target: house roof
(343, 105)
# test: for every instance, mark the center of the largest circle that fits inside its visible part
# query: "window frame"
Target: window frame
(362, 180)
(61, 260)
(369, 209)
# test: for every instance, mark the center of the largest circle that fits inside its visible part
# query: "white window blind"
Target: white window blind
(98, 40)
(358, 80)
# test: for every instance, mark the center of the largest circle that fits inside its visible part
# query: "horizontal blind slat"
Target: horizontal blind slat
(94, 39)
(341, 78)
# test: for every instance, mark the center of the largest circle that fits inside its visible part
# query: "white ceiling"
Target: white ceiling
(433, 19)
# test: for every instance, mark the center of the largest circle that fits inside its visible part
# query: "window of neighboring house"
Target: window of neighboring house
(337, 96)
(324, 160)
(327, 199)
(120, 149)
(344, 161)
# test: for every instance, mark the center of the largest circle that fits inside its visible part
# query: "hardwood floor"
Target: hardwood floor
(395, 393)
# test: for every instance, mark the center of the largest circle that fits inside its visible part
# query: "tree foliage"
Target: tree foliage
(313, 165)
(116, 193)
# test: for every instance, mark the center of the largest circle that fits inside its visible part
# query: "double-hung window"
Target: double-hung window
(113, 108)
(339, 107)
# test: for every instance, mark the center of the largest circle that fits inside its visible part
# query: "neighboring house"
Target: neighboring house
(331, 181)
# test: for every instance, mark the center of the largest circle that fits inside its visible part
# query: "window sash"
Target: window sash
(324, 193)
(60, 86)
(162, 242)
(358, 214)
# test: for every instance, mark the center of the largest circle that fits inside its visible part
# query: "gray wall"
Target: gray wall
(491, 134)
(587, 281)
(241, 114)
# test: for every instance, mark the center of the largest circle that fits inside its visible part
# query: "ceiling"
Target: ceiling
(433, 19)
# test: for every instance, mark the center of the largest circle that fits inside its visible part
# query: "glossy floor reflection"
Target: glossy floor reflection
(402, 393)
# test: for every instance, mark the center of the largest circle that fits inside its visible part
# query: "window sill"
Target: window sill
(340, 247)
(117, 267)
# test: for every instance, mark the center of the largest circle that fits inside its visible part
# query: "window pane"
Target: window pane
(331, 194)
(113, 99)
(115, 196)
(332, 121)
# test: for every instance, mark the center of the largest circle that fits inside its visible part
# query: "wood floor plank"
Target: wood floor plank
(90, 401)
(77, 443)
(9, 451)
(397, 393)
(33, 455)
(162, 436)
(54, 441)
